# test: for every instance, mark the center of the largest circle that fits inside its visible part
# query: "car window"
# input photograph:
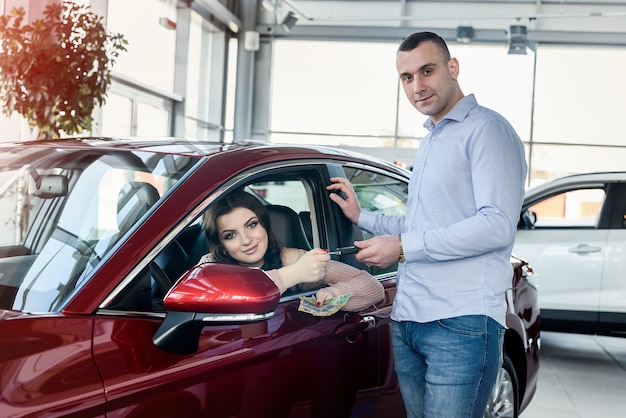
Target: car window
(378, 193)
(293, 194)
(288, 202)
(574, 208)
(294, 212)
(62, 214)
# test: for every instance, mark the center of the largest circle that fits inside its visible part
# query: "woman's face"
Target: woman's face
(243, 237)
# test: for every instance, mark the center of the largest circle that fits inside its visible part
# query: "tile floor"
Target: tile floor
(580, 376)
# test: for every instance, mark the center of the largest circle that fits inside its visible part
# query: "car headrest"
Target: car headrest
(287, 227)
(134, 200)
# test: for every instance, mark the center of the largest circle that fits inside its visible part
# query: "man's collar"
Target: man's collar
(458, 112)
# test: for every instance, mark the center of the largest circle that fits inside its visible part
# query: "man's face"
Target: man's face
(428, 81)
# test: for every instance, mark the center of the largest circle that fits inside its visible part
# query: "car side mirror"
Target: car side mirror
(214, 293)
(528, 219)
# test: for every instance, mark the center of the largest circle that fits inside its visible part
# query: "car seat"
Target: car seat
(134, 200)
(287, 227)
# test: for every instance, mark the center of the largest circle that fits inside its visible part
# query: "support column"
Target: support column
(244, 90)
(183, 22)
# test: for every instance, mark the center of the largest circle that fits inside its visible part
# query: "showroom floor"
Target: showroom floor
(580, 376)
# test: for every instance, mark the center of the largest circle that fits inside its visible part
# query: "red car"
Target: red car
(102, 312)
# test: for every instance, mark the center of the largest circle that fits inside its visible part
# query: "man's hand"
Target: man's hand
(350, 205)
(380, 251)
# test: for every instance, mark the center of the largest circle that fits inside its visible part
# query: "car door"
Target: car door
(378, 191)
(302, 188)
(265, 369)
(568, 245)
(286, 365)
(612, 317)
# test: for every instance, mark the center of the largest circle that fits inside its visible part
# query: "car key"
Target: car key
(344, 250)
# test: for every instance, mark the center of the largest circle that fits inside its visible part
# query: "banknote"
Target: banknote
(308, 305)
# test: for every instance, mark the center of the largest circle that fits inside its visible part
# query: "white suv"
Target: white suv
(574, 231)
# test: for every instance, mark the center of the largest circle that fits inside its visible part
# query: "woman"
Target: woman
(239, 231)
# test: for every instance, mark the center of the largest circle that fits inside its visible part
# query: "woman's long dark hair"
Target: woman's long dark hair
(225, 205)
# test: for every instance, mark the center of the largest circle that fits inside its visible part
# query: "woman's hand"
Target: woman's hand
(310, 267)
(325, 294)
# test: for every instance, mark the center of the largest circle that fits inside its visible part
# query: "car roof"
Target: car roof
(243, 154)
(157, 145)
(192, 147)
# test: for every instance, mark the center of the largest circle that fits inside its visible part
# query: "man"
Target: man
(453, 244)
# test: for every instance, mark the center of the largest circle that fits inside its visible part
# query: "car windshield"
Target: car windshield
(63, 210)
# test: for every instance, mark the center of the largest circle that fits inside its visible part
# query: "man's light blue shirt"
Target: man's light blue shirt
(465, 194)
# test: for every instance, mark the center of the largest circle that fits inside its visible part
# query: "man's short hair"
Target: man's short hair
(415, 39)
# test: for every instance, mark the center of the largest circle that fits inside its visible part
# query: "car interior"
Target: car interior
(189, 246)
(290, 205)
(288, 228)
(135, 198)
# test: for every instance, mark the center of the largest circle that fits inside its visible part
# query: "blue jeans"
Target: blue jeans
(447, 368)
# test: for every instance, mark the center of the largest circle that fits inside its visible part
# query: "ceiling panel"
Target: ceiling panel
(573, 22)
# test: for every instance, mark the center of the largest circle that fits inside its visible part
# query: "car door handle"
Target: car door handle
(584, 249)
(348, 330)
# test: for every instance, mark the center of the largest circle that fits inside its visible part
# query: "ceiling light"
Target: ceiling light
(289, 21)
(464, 34)
(517, 39)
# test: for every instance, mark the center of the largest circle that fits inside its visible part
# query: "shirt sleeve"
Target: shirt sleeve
(277, 279)
(365, 289)
(380, 224)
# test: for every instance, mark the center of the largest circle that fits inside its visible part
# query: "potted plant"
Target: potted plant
(57, 69)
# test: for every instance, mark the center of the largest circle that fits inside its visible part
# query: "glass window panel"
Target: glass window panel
(117, 116)
(12, 128)
(151, 47)
(500, 81)
(152, 120)
(553, 161)
(573, 107)
(334, 87)
(196, 68)
(203, 110)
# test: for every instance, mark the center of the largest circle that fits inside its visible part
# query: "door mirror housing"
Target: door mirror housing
(528, 219)
(214, 293)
